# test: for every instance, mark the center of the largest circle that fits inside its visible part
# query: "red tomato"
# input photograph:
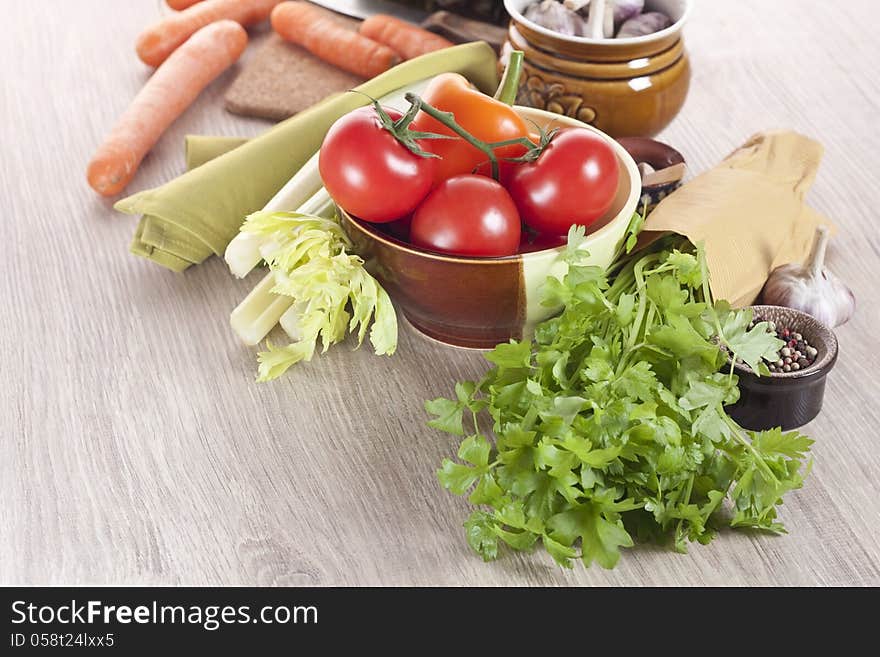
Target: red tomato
(467, 215)
(573, 182)
(368, 172)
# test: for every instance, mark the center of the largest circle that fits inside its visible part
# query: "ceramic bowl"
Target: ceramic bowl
(659, 156)
(479, 302)
(786, 399)
(624, 87)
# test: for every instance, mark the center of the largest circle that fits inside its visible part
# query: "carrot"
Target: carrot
(157, 42)
(181, 4)
(315, 30)
(407, 40)
(165, 96)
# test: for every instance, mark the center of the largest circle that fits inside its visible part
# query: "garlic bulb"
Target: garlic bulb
(811, 288)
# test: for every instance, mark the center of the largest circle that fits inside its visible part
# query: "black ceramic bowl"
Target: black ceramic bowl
(786, 399)
(659, 156)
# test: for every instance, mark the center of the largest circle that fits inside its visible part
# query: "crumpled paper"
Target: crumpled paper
(748, 211)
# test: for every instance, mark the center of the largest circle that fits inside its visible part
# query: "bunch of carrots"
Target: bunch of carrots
(193, 46)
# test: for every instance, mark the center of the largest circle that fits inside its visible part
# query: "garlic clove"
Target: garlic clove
(626, 9)
(608, 21)
(596, 22)
(811, 288)
(577, 5)
(557, 17)
(643, 24)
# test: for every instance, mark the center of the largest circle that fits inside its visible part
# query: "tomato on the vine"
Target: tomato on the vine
(369, 172)
(487, 119)
(573, 182)
(467, 215)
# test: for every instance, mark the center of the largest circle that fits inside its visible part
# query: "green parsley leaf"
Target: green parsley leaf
(449, 415)
(601, 539)
(610, 425)
(481, 536)
(512, 355)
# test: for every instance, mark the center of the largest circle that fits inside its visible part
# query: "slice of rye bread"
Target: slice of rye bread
(281, 79)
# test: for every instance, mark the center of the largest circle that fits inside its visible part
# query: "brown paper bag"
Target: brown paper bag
(748, 211)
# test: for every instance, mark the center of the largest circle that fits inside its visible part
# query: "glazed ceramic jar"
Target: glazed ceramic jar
(625, 87)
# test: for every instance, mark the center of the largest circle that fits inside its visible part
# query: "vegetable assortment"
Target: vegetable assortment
(381, 43)
(460, 172)
(610, 427)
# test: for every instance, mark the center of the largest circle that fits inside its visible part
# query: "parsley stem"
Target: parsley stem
(736, 432)
(638, 270)
(687, 500)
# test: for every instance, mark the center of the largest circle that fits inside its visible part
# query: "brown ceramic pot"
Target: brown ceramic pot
(625, 87)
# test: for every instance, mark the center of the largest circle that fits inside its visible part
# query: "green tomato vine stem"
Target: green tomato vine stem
(448, 119)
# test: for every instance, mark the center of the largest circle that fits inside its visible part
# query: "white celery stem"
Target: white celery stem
(259, 312)
(243, 252)
(290, 322)
(319, 205)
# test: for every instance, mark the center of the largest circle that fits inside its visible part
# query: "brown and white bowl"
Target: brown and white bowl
(479, 302)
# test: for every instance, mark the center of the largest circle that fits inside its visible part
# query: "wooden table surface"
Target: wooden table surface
(136, 448)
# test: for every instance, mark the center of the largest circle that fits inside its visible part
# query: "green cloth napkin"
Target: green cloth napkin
(200, 149)
(196, 215)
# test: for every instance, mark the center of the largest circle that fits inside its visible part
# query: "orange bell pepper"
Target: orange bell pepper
(486, 118)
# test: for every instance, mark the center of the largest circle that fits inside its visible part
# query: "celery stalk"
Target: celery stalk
(243, 252)
(258, 314)
(291, 324)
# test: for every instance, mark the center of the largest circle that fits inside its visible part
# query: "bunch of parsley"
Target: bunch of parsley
(610, 426)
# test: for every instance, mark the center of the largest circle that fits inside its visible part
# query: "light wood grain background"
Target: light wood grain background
(135, 447)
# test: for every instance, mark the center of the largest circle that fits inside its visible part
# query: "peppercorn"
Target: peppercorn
(796, 353)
